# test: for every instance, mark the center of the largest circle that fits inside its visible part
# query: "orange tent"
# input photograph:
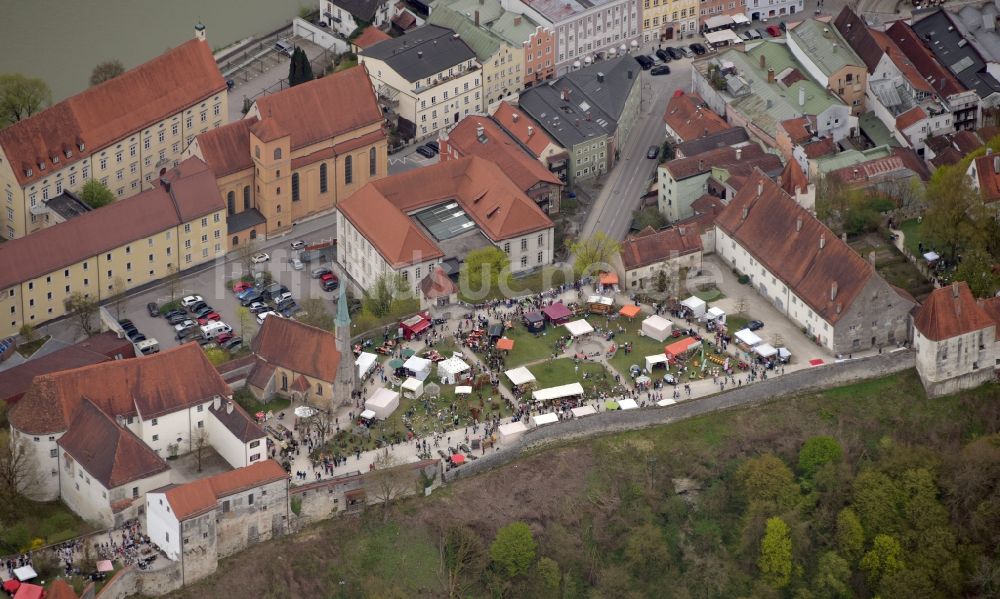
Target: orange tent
(630, 311)
(608, 278)
(679, 347)
(505, 344)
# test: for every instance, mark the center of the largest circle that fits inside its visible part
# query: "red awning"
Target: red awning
(29, 591)
(418, 326)
(458, 459)
(608, 278)
(630, 311)
(11, 585)
(679, 347)
(505, 344)
(557, 311)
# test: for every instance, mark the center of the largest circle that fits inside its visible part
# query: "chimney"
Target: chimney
(833, 291)
(481, 133)
(871, 258)
(763, 61)
(954, 290)
(739, 153)
(802, 96)
(600, 77)
(563, 96)
(996, 164)
(760, 188)
(822, 241)
(420, 53)
(770, 75)
(843, 237)
(229, 407)
(517, 21)
(216, 402)
(826, 32)
(531, 130)
(746, 211)
(701, 164)
(514, 116)
(630, 74)
(477, 18)
(798, 224)
(834, 47)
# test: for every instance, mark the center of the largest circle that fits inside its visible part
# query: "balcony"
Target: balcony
(442, 79)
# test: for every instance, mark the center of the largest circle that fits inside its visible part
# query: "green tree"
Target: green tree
(513, 549)
(105, 71)
(950, 198)
(767, 479)
(96, 194)
(314, 313)
(876, 499)
(299, 69)
(27, 332)
(462, 558)
(667, 151)
(833, 577)
(850, 535)
(383, 292)
(549, 574)
(775, 560)
(646, 551)
(593, 254)
(216, 355)
(884, 559)
(482, 272)
(976, 269)
(816, 452)
(21, 97)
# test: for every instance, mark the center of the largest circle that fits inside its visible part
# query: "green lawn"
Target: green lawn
(710, 295)
(566, 370)
(29, 348)
(913, 234)
(252, 405)
(541, 280)
(36, 524)
(530, 347)
(642, 346)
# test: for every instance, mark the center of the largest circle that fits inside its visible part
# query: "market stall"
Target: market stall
(656, 360)
(368, 415)
(25, 573)
(365, 363)
(450, 369)
(511, 431)
(578, 328)
(784, 355)
(765, 350)
(724, 37)
(557, 313)
(505, 344)
(696, 305)
(534, 321)
(520, 376)
(679, 348)
(463, 390)
(656, 327)
(414, 325)
(412, 388)
(630, 311)
(383, 402)
(716, 314)
(598, 304)
(608, 280)
(628, 404)
(29, 591)
(540, 419)
(748, 337)
(417, 367)
(560, 392)
(583, 411)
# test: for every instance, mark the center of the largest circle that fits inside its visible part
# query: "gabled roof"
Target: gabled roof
(726, 157)
(58, 589)
(193, 193)
(909, 43)
(105, 113)
(951, 311)
(226, 149)
(109, 452)
(800, 129)
(150, 386)
(988, 176)
(910, 117)
(650, 247)
(437, 284)
(958, 50)
(795, 247)
(370, 36)
(732, 136)
(991, 306)
(260, 373)
(298, 347)
(482, 41)
(824, 46)
(496, 145)
(690, 118)
(322, 108)
(902, 62)
(522, 127)
(237, 421)
(421, 52)
(793, 180)
(200, 496)
(871, 171)
(821, 147)
(857, 34)
(361, 9)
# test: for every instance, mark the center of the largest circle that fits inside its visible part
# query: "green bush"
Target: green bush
(57, 523)
(16, 538)
(744, 279)
(296, 505)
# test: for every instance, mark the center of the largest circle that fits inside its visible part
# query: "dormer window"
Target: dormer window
(69, 153)
(55, 159)
(28, 172)
(82, 146)
(41, 166)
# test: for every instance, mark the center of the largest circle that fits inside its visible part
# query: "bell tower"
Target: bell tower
(199, 31)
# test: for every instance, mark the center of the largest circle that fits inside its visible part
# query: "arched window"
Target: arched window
(256, 151)
(322, 178)
(348, 170)
(253, 234)
(231, 202)
(372, 167)
(246, 197)
(295, 187)
(278, 208)
(277, 153)
(236, 240)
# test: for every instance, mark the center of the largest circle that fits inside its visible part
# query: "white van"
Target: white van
(149, 346)
(214, 329)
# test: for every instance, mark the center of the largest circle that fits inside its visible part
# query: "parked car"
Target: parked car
(660, 70)
(203, 311)
(669, 379)
(653, 152)
(674, 53)
(232, 343)
(425, 151)
(184, 324)
(222, 338)
(298, 244)
(319, 272)
(754, 325)
(153, 309)
(662, 55)
(330, 284)
(191, 300)
(135, 336)
(258, 307)
(176, 319)
(259, 258)
(687, 52)
(175, 312)
(246, 292)
(209, 318)
(126, 323)
(644, 61)
(289, 310)
(745, 35)
(297, 264)
(273, 291)
(776, 31)
(281, 297)
(284, 303)
(198, 307)
(265, 315)
(285, 47)
(187, 333)
(241, 286)
(251, 299)
(698, 49)
(434, 146)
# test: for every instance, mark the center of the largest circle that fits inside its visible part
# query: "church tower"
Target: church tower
(199, 31)
(345, 383)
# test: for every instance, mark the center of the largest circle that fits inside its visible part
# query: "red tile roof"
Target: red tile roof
(260, 374)
(200, 496)
(991, 306)
(910, 117)
(105, 113)
(111, 454)
(821, 147)
(369, 37)
(237, 421)
(951, 311)
(902, 61)
(437, 284)
(785, 238)
(499, 147)
(58, 589)
(150, 386)
(902, 159)
(517, 123)
(987, 175)
(193, 194)
(800, 129)
(793, 179)
(923, 60)
(726, 157)
(226, 149)
(298, 347)
(650, 247)
(380, 209)
(322, 108)
(689, 117)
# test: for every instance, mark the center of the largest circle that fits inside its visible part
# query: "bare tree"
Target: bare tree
(388, 481)
(120, 304)
(741, 305)
(173, 281)
(321, 423)
(19, 475)
(462, 559)
(200, 443)
(243, 313)
(247, 252)
(82, 309)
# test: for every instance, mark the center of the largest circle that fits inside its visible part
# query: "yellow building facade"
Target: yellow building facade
(669, 19)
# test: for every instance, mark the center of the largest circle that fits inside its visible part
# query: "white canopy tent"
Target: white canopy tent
(413, 388)
(717, 21)
(449, 370)
(656, 327)
(748, 337)
(365, 363)
(765, 350)
(418, 367)
(553, 393)
(740, 18)
(383, 402)
(723, 37)
(715, 313)
(696, 305)
(368, 415)
(628, 404)
(931, 256)
(583, 411)
(783, 354)
(520, 376)
(652, 361)
(25, 573)
(511, 431)
(463, 390)
(665, 402)
(579, 327)
(540, 419)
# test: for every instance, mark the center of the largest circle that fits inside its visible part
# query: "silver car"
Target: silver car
(319, 272)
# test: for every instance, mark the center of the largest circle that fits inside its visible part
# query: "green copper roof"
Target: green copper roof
(482, 42)
(846, 158)
(513, 28)
(824, 45)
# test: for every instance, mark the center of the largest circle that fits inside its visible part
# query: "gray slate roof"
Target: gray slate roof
(730, 137)
(961, 58)
(361, 9)
(422, 52)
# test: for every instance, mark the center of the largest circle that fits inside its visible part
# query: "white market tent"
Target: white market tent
(665, 402)
(25, 573)
(463, 390)
(383, 402)
(784, 354)
(696, 305)
(722, 37)
(718, 21)
(748, 337)
(931, 256)
(540, 419)
(765, 350)
(511, 431)
(553, 393)
(583, 411)
(365, 363)
(449, 370)
(656, 327)
(740, 18)
(413, 388)
(628, 404)
(579, 327)
(652, 361)
(520, 376)
(715, 313)
(368, 415)
(418, 367)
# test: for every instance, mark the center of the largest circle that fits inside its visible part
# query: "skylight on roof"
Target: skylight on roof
(584, 106)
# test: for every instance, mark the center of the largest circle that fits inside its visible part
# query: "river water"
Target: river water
(60, 41)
